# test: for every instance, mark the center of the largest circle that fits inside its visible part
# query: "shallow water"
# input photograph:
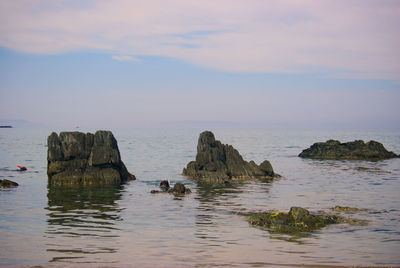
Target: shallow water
(120, 226)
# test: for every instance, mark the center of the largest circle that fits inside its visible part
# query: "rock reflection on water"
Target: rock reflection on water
(222, 235)
(215, 203)
(82, 223)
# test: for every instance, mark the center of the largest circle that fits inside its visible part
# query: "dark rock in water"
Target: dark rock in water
(178, 189)
(217, 162)
(297, 220)
(360, 150)
(4, 183)
(79, 158)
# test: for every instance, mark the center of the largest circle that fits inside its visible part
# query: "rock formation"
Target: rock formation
(360, 150)
(297, 220)
(221, 162)
(79, 158)
(4, 183)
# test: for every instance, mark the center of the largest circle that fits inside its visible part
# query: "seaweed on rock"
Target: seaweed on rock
(297, 220)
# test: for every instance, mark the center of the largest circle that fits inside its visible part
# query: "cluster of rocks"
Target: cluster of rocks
(94, 159)
(333, 149)
(79, 158)
(178, 189)
(85, 159)
(219, 162)
(297, 220)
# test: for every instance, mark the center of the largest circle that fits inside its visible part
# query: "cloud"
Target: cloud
(124, 58)
(356, 39)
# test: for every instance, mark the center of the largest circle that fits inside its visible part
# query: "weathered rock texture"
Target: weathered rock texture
(297, 220)
(79, 158)
(221, 162)
(360, 150)
(4, 183)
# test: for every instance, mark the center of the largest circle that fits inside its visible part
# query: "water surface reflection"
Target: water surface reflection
(222, 234)
(82, 223)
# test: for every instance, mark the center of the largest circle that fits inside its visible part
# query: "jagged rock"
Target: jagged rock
(4, 183)
(360, 150)
(221, 162)
(79, 158)
(297, 220)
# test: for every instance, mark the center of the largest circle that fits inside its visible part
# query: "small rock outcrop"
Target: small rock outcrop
(4, 183)
(357, 150)
(87, 159)
(297, 220)
(178, 189)
(348, 209)
(221, 162)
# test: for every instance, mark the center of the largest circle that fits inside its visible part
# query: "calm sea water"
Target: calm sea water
(123, 226)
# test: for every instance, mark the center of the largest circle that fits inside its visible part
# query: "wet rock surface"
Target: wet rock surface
(333, 149)
(297, 220)
(87, 159)
(4, 183)
(178, 189)
(348, 209)
(217, 162)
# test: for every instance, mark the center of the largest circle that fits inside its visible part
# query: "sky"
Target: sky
(286, 64)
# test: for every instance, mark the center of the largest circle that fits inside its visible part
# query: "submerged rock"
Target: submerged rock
(221, 162)
(178, 189)
(88, 159)
(348, 209)
(360, 150)
(297, 220)
(4, 183)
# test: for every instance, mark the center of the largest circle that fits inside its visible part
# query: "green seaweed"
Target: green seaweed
(297, 220)
(348, 209)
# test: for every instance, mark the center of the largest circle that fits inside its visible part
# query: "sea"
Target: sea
(127, 226)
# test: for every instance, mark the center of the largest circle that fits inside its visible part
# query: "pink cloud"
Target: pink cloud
(354, 38)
